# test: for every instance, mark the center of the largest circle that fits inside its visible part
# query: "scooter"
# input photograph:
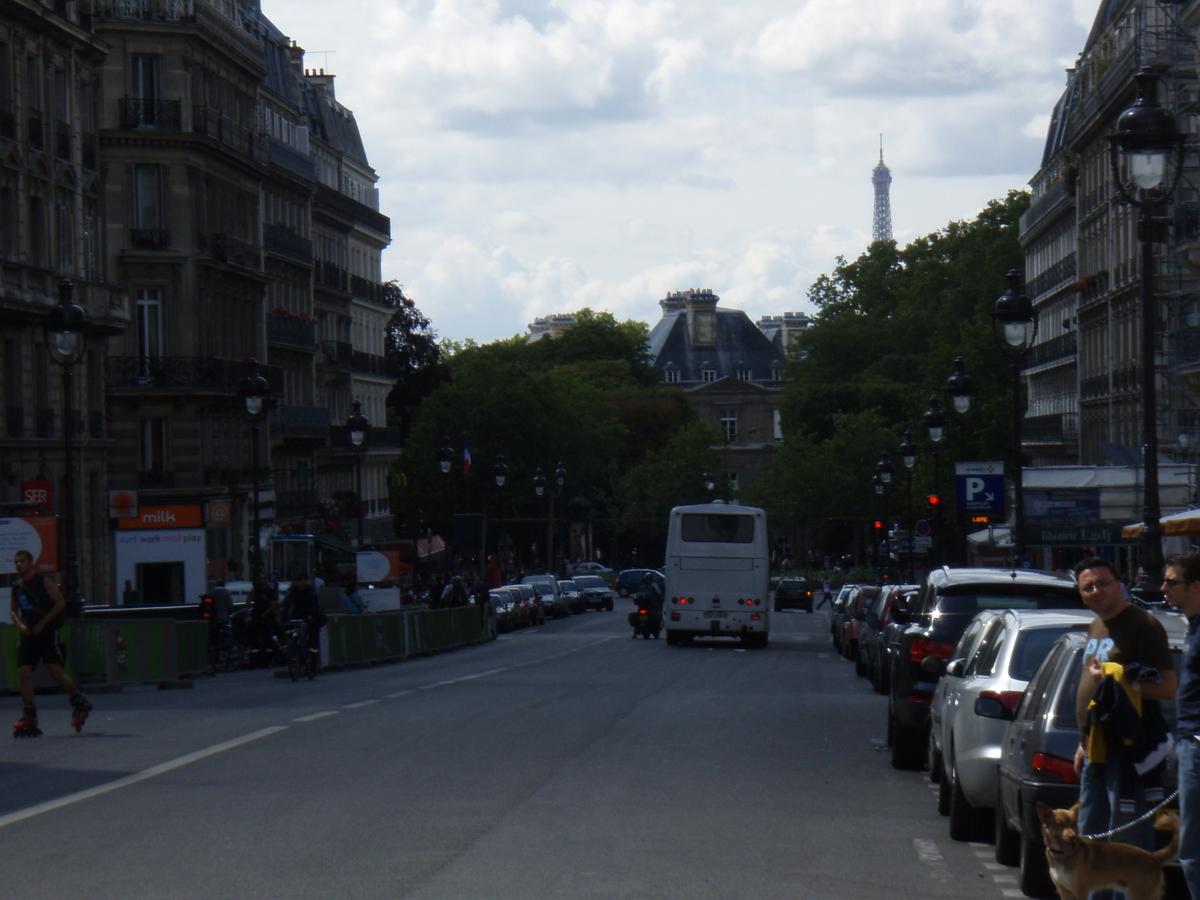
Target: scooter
(646, 621)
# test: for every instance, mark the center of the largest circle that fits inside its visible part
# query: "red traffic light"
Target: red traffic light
(879, 526)
(932, 500)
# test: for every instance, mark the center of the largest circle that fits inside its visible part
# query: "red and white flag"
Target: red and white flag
(466, 460)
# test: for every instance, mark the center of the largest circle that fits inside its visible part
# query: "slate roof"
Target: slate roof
(739, 345)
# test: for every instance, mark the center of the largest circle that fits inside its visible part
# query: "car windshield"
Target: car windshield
(568, 585)
(542, 588)
(1032, 647)
(590, 581)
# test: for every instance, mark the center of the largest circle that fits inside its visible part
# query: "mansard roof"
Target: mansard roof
(739, 345)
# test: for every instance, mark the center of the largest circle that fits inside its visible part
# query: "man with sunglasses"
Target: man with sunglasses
(1181, 589)
(1112, 791)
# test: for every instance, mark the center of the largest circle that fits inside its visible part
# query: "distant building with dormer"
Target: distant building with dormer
(546, 328)
(731, 370)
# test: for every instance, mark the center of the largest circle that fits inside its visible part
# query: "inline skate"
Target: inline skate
(27, 725)
(80, 708)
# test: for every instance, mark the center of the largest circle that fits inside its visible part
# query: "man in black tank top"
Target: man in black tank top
(36, 608)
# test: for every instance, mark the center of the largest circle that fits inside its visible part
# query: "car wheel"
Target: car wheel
(879, 678)
(908, 747)
(1033, 877)
(933, 759)
(608, 607)
(966, 822)
(1008, 842)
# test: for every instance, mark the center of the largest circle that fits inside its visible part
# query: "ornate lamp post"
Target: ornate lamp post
(960, 387)
(1146, 137)
(1015, 319)
(66, 341)
(358, 426)
(560, 479)
(884, 470)
(539, 488)
(934, 421)
(500, 475)
(908, 456)
(254, 390)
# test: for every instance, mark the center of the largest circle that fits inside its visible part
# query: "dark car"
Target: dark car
(793, 593)
(872, 638)
(594, 593)
(1037, 753)
(932, 624)
(629, 580)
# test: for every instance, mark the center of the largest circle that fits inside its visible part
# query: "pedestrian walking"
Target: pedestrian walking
(1125, 644)
(1181, 588)
(37, 608)
(352, 600)
(827, 588)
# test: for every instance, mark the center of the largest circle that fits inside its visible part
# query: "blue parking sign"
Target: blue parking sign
(980, 492)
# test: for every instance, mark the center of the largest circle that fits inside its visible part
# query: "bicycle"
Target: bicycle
(299, 658)
(224, 651)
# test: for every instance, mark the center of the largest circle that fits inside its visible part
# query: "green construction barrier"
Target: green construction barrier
(142, 651)
(191, 641)
(9, 678)
(88, 650)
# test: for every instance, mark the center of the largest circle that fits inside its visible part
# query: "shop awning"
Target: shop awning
(1180, 523)
(996, 536)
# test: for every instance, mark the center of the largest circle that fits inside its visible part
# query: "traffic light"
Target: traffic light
(932, 504)
(879, 528)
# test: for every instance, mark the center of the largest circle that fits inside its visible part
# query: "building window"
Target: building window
(743, 374)
(672, 376)
(708, 375)
(154, 438)
(149, 330)
(147, 196)
(729, 427)
(778, 425)
(777, 374)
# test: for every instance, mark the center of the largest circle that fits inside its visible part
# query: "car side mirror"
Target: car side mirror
(873, 621)
(933, 665)
(955, 668)
(992, 708)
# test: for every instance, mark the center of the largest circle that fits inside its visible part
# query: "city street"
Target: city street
(561, 761)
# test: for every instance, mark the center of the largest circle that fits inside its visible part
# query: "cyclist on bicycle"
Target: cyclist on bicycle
(301, 602)
(264, 607)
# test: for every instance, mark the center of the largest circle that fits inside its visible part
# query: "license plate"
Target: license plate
(715, 614)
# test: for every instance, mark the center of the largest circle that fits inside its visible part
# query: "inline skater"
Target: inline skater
(36, 608)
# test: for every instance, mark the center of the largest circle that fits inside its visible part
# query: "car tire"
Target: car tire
(1008, 842)
(966, 822)
(608, 607)
(933, 758)
(879, 678)
(908, 747)
(1033, 876)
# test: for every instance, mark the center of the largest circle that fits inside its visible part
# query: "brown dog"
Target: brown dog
(1080, 865)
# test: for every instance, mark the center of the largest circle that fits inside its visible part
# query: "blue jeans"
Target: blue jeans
(1188, 753)
(1100, 810)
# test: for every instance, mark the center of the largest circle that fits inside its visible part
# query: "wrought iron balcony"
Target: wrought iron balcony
(159, 10)
(370, 364)
(184, 374)
(287, 243)
(1187, 346)
(331, 276)
(1062, 347)
(338, 354)
(233, 250)
(1051, 428)
(152, 115)
(62, 140)
(367, 290)
(297, 332)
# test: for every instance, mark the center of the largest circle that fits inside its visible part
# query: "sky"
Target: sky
(539, 156)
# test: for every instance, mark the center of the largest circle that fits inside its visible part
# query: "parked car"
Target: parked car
(591, 568)
(596, 593)
(933, 622)
(554, 603)
(1037, 753)
(532, 611)
(572, 595)
(853, 616)
(872, 638)
(994, 658)
(629, 580)
(506, 605)
(835, 610)
(793, 593)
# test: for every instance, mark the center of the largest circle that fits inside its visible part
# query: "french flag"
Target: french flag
(466, 460)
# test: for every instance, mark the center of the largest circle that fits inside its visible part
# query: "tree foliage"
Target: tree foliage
(412, 344)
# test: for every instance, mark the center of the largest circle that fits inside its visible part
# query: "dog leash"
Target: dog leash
(1142, 818)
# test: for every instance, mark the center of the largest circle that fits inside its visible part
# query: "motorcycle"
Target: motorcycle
(646, 620)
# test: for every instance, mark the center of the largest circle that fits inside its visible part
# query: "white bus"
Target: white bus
(717, 575)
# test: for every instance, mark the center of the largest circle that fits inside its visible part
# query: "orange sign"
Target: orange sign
(122, 504)
(37, 534)
(220, 512)
(159, 517)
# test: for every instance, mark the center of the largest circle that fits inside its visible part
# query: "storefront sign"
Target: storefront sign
(122, 504)
(1061, 506)
(374, 565)
(1074, 535)
(157, 517)
(220, 512)
(38, 492)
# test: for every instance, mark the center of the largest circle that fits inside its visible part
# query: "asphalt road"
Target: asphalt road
(566, 761)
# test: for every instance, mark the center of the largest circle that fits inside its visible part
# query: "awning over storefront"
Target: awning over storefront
(997, 536)
(1176, 524)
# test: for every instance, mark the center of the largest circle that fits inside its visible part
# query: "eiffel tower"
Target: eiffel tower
(881, 177)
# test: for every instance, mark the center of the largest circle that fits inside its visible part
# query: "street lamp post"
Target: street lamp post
(445, 458)
(1016, 320)
(66, 341)
(358, 426)
(908, 456)
(877, 484)
(539, 488)
(254, 390)
(500, 475)
(560, 479)
(960, 387)
(884, 470)
(934, 421)
(1146, 137)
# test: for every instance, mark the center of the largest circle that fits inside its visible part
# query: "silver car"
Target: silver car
(995, 658)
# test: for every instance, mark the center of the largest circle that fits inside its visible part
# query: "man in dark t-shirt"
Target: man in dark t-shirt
(1121, 633)
(36, 608)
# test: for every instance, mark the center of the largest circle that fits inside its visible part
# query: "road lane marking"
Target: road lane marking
(160, 769)
(928, 853)
(315, 716)
(360, 704)
(398, 694)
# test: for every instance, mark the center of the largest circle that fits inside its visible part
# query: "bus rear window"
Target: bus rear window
(718, 528)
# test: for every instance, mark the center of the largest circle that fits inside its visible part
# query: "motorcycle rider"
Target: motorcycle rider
(649, 597)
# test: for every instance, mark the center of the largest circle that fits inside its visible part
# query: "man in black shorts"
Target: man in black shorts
(36, 609)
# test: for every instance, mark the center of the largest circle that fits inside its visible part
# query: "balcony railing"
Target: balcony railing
(1053, 350)
(338, 354)
(297, 332)
(290, 158)
(367, 290)
(184, 373)
(331, 276)
(1051, 428)
(287, 243)
(295, 504)
(152, 115)
(149, 238)
(14, 421)
(224, 130)
(233, 250)
(370, 364)
(381, 438)
(159, 10)
(35, 130)
(1127, 378)
(1061, 271)
(306, 421)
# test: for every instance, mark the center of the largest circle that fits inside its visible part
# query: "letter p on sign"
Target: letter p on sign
(975, 487)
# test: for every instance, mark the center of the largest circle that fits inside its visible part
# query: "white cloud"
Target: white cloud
(536, 156)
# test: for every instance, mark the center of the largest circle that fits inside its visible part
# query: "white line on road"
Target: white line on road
(128, 780)
(928, 853)
(360, 704)
(398, 694)
(315, 716)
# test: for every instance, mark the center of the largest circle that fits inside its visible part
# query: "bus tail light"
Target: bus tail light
(754, 617)
(674, 616)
